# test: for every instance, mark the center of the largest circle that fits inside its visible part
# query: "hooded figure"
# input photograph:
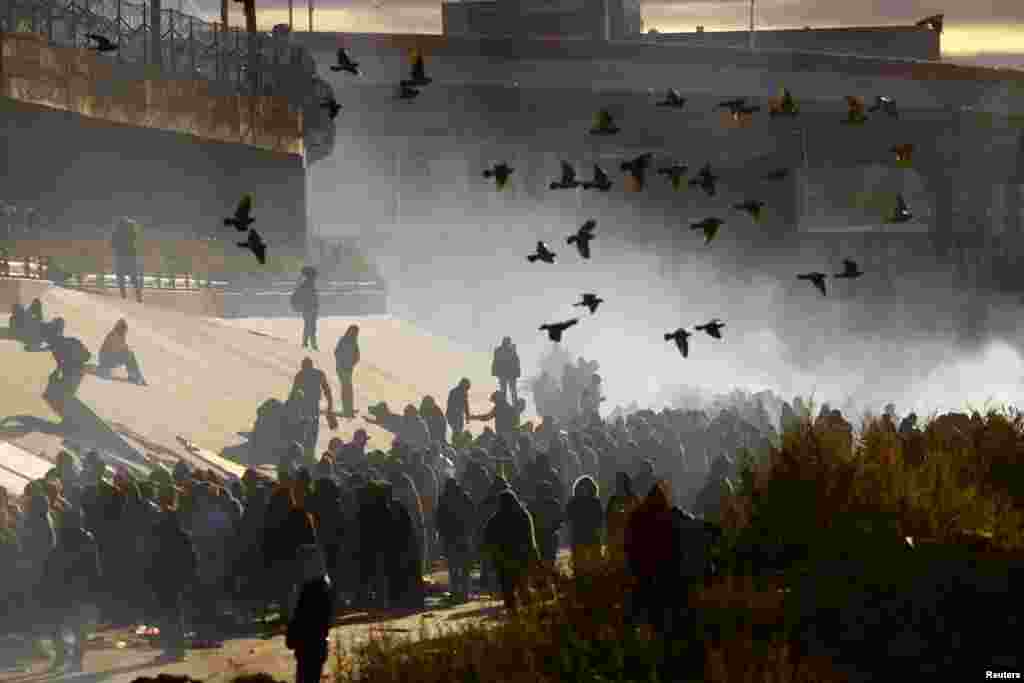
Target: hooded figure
(406, 577)
(548, 517)
(586, 521)
(652, 553)
(311, 621)
(346, 357)
(487, 508)
(455, 523)
(434, 417)
(375, 520)
(620, 506)
(510, 542)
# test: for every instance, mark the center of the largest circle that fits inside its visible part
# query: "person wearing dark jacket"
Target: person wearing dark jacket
(653, 554)
(434, 417)
(455, 513)
(406, 587)
(586, 522)
(71, 355)
(620, 506)
(457, 411)
(310, 624)
(548, 518)
(126, 256)
(346, 357)
(506, 368)
(173, 569)
(115, 352)
(376, 542)
(287, 527)
(308, 300)
(70, 586)
(509, 540)
(505, 415)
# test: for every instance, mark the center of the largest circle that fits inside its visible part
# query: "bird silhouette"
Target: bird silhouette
(583, 237)
(709, 226)
(672, 99)
(738, 108)
(332, 107)
(682, 339)
(500, 172)
(675, 173)
(850, 270)
(242, 218)
(638, 168)
(418, 74)
(591, 301)
(904, 153)
(103, 43)
(705, 180)
(256, 246)
(555, 330)
(777, 174)
(817, 279)
(345, 63)
(932, 23)
(752, 207)
(407, 92)
(855, 111)
(885, 104)
(542, 254)
(568, 180)
(600, 182)
(902, 213)
(604, 124)
(732, 105)
(786, 107)
(713, 328)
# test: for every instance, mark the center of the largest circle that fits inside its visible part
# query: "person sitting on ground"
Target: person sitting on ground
(115, 352)
(71, 356)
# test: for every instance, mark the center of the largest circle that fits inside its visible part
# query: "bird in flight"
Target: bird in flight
(600, 182)
(902, 213)
(103, 43)
(604, 124)
(555, 330)
(345, 63)
(638, 168)
(713, 328)
(752, 207)
(500, 172)
(242, 218)
(675, 173)
(256, 245)
(709, 226)
(850, 270)
(407, 92)
(738, 108)
(568, 180)
(885, 104)
(705, 180)
(854, 111)
(817, 279)
(672, 99)
(583, 237)
(591, 301)
(332, 107)
(542, 254)
(682, 339)
(418, 76)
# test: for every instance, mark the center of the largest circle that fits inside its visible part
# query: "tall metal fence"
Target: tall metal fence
(188, 47)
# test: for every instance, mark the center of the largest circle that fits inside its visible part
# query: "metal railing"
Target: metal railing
(34, 268)
(189, 47)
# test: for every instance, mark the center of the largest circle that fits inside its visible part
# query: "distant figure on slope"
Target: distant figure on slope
(306, 300)
(126, 256)
(506, 368)
(346, 357)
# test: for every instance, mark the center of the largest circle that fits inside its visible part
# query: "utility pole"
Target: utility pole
(751, 24)
(310, 16)
(291, 8)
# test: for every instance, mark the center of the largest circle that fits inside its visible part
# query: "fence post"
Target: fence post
(72, 25)
(49, 21)
(120, 29)
(146, 25)
(192, 46)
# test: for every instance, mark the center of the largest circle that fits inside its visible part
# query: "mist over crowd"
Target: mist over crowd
(915, 335)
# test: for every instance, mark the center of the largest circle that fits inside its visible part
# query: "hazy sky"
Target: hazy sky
(971, 26)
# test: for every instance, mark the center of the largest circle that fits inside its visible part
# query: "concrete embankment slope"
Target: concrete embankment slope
(207, 376)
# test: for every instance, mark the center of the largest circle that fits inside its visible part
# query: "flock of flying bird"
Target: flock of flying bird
(637, 168)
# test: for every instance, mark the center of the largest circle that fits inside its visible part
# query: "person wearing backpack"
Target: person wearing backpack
(306, 300)
(71, 356)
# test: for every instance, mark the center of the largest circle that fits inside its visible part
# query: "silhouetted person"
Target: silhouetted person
(434, 417)
(173, 569)
(586, 521)
(457, 412)
(71, 356)
(16, 322)
(548, 518)
(115, 352)
(70, 587)
(652, 554)
(311, 622)
(505, 415)
(313, 383)
(126, 256)
(510, 541)
(306, 301)
(507, 369)
(620, 506)
(346, 357)
(455, 527)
